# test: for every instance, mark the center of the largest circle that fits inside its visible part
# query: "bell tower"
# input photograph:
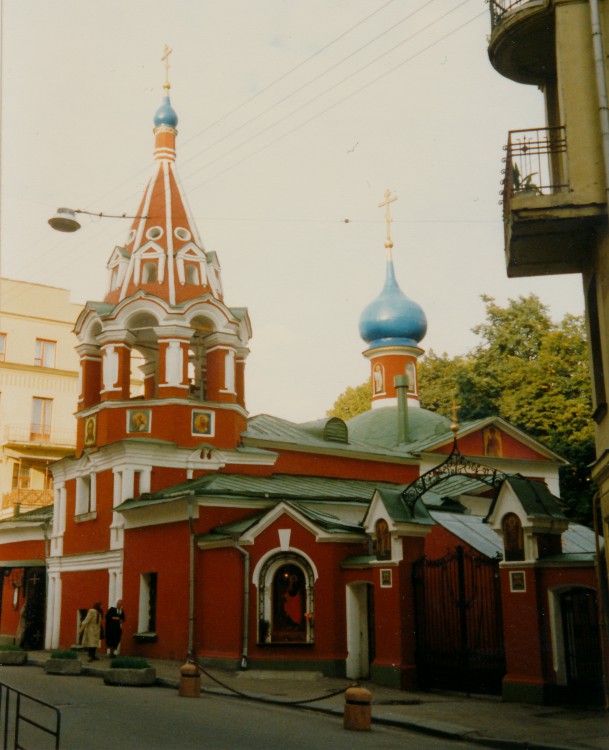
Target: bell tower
(162, 357)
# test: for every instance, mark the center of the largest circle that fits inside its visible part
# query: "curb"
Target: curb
(432, 728)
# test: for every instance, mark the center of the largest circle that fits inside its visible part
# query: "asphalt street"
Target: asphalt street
(94, 716)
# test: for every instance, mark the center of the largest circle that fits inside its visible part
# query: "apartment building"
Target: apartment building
(38, 390)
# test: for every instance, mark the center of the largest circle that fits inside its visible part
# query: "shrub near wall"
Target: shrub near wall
(12, 655)
(130, 671)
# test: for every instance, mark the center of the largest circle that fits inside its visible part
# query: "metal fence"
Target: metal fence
(499, 8)
(534, 162)
(27, 723)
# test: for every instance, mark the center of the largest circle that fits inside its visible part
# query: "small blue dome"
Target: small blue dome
(392, 319)
(165, 115)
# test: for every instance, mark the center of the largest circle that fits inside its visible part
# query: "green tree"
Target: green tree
(529, 370)
(352, 401)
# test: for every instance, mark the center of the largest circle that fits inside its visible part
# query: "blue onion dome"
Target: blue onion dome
(165, 114)
(392, 319)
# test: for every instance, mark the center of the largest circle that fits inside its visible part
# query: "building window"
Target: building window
(84, 495)
(285, 601)
(192, 275)
(41, 418)
(45, 353)
(149, 275)
(382, 540)
(2, 347)
(147, 609)
(513, 538)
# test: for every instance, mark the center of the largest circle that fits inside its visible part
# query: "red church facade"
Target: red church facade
(256, 542)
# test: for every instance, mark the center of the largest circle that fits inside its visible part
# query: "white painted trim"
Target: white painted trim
(280, 553)
(78, 563)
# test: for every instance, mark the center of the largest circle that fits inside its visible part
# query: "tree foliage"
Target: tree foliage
(352, 401)
(529, 370)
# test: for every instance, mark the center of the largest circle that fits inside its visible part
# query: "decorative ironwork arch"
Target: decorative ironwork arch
(455, 465)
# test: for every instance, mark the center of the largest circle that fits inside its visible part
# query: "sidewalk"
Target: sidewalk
(484, 720)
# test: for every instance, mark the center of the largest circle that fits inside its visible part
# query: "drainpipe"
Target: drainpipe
(601, 87)
(401, 385)
(191, 582)
(246, 603)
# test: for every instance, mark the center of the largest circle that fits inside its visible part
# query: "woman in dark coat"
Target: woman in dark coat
(115, 617)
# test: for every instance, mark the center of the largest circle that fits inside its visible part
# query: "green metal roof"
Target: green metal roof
(274, 487)
(399, 511)
(535, 498)
(379, 427)
(316, 434)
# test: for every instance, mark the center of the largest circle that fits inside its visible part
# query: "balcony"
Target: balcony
(26, 499)
(521, 45)
(22, 436)
(547, 231)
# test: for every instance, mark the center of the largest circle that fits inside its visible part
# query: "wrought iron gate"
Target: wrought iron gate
(459, 632)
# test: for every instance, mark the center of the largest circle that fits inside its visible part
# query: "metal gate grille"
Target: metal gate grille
(458, 623)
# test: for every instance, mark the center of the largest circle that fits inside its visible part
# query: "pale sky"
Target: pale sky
(293, 117)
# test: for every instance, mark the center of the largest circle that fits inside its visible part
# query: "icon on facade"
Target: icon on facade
(202, 422)
(90, 431)
(492, 442)
(138, 420)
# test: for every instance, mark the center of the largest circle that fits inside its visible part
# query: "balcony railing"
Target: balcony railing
(37, 434)
(534, 163)
(27, 497)
(499, 8)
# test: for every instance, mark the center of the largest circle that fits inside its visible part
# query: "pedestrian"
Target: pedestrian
(115, 617)
(91, 629)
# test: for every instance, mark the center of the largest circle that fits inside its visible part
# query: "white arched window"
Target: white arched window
(285, 600)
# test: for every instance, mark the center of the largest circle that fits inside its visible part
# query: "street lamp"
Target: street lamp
(65, 218)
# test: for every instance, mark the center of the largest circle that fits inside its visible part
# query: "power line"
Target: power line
(332, 106)
(337, 103)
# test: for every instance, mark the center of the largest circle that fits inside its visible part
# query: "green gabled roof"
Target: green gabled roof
(399, 511)
(275, 487)
(535, 498)
(327, 521)
(477, 424)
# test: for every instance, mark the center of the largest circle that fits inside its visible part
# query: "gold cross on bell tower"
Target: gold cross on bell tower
(165, 58)
(387, 202)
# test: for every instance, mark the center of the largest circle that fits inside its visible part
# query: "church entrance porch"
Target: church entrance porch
(458, 623)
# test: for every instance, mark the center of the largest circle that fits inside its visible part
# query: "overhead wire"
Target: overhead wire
(330, 107)
(335, 104)
(258, 93)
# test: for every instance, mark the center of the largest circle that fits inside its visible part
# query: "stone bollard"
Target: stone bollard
(190, 681)
(358, 709)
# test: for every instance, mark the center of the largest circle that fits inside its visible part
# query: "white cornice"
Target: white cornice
(96, 561)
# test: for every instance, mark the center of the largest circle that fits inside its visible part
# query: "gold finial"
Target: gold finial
(388, 200)
(165, 58)
(455, 425)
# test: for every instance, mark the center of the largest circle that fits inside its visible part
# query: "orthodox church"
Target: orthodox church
(397, 546)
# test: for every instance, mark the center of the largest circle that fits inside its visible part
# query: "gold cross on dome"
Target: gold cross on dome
(165, 58)
(387, 202)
